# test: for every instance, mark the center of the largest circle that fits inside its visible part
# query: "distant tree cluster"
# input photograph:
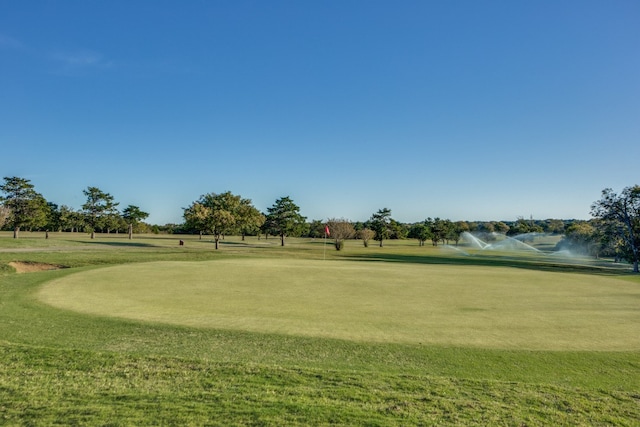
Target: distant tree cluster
(25, 209)
(614, 230)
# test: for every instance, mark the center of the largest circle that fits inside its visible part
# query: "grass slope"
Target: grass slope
(63, 367)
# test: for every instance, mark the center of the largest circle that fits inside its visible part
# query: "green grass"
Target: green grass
(371, 302)
(64, 367)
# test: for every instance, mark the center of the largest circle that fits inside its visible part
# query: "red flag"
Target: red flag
(326, 230)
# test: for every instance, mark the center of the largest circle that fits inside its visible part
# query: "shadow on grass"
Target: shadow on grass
(122, 244)
(493, 261)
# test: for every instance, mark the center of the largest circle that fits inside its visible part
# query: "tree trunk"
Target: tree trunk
(216, 238)
(16, 232)
(130, 231)
(635, 267)
(380, 242)
(282, 240)
(93, 234)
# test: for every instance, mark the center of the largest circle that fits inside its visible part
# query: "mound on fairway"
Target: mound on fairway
(366, 301)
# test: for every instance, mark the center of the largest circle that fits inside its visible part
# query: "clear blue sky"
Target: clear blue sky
(475, 110)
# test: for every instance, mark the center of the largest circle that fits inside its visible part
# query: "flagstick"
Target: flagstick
(324, 247)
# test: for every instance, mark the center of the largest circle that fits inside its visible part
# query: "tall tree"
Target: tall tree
(97, 209)
(381, 224)
(219, 214)
(283, 219)
(133, 215)
(26, 206)
(620, 215)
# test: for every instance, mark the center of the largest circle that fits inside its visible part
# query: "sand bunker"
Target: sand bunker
(29, 267)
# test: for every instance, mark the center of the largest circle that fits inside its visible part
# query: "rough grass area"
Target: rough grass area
(62, 367)
(63, 387)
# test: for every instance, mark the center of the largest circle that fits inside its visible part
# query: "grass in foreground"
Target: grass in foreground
(60, 367)
(86, 388)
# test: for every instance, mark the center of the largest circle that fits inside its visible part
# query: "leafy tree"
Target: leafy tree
(554, 226)
(133, 215)
(500, 227)
(439, 228)
(4, 215)
(523, 226)
(40, 214)
(316, 228)
(250, 219)
(359, 225)
(365, 234)
(219, 214)
(113, 221)
(97, 209)
(453, 232)
(461, 227)
(420, 231)
(580, 237)
(26, 207)
(620, 216)
(486, 227)
(195, 217)
(53, 217)
(284, 219)
(70, 219)
(397, 230)
(380, 222)
(340, 229)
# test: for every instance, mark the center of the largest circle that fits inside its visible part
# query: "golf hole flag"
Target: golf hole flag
(326, 230)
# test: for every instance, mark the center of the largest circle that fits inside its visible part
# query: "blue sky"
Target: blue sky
(475, 110)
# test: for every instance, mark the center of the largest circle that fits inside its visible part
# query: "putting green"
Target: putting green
(476, 306)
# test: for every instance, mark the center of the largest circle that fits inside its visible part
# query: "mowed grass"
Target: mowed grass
(462, 306)
(64, 367)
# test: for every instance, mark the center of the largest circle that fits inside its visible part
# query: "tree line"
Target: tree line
(24, 208)
(613, 231)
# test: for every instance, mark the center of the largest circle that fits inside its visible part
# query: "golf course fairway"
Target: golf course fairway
(472, 306)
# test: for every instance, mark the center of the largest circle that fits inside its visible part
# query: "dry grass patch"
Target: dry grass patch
(30, 267)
